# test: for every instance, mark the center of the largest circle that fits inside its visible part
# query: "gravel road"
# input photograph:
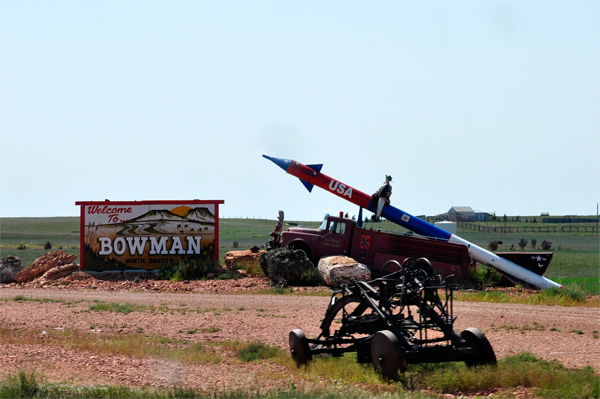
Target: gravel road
(566, 334)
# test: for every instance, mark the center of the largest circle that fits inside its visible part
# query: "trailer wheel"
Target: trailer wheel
(299, 348)
(476, 340)
(387, 354)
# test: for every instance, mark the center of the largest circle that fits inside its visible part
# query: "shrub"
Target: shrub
(546, 245)
(533, 243)
(187, 269)
(522, 243)
(489, 277)
(48, 245)
(229, 275)
(493, 245)
(21, 247)
(312, 277)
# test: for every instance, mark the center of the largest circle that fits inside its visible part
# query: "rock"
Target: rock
(9, 266)
(285, 266)
(338, 270)
(59, 271)
(43, 264)
(234, 259)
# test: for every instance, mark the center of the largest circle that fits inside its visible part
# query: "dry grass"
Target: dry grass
(137, 345)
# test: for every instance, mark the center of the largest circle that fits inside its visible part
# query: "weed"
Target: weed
(488, 277)
(493, 245)
(229, 275)
(187, 269)
(114, 307)
(23, 298)
(257, 351)
(210, 330)
(22, 385)
(579, 332)
(549, 379)
(312, 278)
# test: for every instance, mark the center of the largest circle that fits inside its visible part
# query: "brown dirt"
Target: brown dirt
(241, 314)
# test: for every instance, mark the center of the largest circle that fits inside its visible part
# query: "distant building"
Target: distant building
(450, 227)
(461, 214)
(483, 216)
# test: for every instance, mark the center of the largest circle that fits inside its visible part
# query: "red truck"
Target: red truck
(373, 248)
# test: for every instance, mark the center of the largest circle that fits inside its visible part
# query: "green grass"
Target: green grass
(570, 295)
(576, 255)
(114, 307)
(138, 345)
(547, 379)
(324, 377)
(32, 385)
(23, 298)
(256, 351)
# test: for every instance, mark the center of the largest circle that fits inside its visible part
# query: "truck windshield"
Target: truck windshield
(323, 225)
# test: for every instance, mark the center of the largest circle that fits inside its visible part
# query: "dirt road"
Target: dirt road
(566, 334)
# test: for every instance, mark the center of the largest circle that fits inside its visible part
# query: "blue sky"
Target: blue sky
(488, 104)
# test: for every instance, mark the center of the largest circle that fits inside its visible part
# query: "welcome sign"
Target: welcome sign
(147, 235)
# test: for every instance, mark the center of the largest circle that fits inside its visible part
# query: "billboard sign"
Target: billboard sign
(147, 235)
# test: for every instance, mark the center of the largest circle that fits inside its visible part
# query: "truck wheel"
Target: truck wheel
(476, 340)
(302, 247)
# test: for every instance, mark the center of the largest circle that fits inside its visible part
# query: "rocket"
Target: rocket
(310, 176)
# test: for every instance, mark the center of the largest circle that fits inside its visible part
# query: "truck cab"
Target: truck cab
(332, 237)
(380, 251)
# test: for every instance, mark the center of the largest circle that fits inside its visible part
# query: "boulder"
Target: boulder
(338, 270)
(9, 266)
(285, 266)
(59, 271)
(234, 259)
(43, 264)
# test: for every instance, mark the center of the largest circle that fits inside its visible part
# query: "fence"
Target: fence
(527, 229)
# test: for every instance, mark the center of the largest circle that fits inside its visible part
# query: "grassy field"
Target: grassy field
(576, 254)
(519, 375)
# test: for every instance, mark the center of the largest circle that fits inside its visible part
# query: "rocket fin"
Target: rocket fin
(316, 167)
(308, 186)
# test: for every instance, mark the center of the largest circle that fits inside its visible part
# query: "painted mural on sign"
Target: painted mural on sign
(145, 235)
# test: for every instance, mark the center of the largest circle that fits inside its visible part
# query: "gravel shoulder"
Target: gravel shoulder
(237, 313)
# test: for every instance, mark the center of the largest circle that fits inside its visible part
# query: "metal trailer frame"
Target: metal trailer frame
(392, 321)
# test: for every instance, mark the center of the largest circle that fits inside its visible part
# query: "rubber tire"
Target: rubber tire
(302, 247)
(299, 347)
(387, 354)
(476, 340)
